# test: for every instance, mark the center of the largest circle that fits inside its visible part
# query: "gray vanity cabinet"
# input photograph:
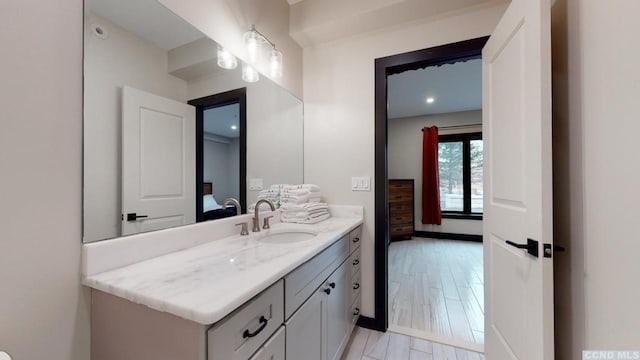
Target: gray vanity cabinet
(307, 328)
(320, 328)
(337, 307)
(307, 315)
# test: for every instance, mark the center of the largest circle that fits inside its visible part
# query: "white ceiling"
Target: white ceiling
(313, 22)
(218, 120)
(454, 87)
(148, 19)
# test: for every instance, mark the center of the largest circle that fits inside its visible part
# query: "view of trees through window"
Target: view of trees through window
(453, 165)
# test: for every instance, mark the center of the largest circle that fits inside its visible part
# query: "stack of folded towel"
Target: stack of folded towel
(272, 194)
(302, 204)
(307, 213)
(300, 194)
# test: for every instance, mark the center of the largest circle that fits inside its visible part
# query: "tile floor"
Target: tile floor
(436, 286)
(373, 345)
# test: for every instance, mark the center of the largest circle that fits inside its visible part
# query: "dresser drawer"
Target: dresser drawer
(354, 287)
(400, 197)
(303, 281)
(354, 263)
(274, 347)
(355, 237)
(403, 209)
(399, 185)
(401, 229)
(240, 334)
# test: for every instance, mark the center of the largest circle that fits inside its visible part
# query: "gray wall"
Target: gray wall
(44, 313)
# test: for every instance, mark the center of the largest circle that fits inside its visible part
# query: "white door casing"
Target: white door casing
(518, 183)
(158, 162)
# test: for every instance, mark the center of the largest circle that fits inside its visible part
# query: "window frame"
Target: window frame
(466, 139)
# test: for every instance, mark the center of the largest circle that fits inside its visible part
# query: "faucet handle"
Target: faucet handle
(266, 222)
(245, 228)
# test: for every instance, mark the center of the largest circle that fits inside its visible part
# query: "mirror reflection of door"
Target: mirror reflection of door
(158, 161)
(220, 154)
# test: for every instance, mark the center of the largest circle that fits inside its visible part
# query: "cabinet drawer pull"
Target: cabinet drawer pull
(333, 285)
(356, 312)
(355, 240)
(356, 262)
(327, 290)
(248, 334)
(356, 286)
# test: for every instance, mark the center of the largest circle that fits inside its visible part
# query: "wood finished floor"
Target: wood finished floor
(373, 345)
(437, 286)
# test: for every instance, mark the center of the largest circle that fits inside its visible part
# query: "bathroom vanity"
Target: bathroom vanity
(262, 296)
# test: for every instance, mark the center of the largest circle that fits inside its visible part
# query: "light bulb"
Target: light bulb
(275, 63)
(251, 40)
(225, 59)
(430, 100)
(249, 74)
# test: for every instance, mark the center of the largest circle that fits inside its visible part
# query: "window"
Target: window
(460, 166)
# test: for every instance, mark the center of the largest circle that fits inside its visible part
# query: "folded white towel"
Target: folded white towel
(280, 186)
(310, 187)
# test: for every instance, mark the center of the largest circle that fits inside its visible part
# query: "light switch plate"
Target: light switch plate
(361, 183)
(255, 184)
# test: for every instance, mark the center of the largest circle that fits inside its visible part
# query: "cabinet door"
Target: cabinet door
(306, 329)
(337, 306)
(273, 349)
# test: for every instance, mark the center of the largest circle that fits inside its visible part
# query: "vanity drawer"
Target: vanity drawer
(354, 313)
(355, 237)
(303, 281)
(274, 347)
(240, 334)
(354, 263)
(355, 287)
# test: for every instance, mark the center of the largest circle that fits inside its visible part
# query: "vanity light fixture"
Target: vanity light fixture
(249, 74)
(226, 60)
(253, 40)
(430, 100)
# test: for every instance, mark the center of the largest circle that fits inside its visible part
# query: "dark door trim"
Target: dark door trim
(384, 67)
(238, 96)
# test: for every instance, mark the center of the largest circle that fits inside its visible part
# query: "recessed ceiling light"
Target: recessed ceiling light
(430, 100)
(233, 127)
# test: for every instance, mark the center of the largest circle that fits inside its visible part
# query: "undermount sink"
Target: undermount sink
(284, 237)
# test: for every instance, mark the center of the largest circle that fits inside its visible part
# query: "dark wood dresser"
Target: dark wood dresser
(401, 214)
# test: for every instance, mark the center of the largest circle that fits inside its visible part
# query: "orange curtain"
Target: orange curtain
(431, 212)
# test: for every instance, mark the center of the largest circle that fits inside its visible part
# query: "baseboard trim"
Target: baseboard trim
(370, 323)
(449, 236)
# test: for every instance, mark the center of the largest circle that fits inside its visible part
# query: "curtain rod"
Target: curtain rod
(455, 127)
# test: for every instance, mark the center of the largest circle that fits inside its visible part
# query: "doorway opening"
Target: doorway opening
(221, 153)
(435, 273)
(384, 69)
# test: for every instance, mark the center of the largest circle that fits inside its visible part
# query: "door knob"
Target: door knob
(548, 252)
(134, 216)
(531, 246)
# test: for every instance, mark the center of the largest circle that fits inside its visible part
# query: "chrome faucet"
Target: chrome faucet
(256, 218)
(234, 202)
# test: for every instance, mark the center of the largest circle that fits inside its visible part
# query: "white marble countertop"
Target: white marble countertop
(205, 283)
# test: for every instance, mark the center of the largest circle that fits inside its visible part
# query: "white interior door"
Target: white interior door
(158, 162)
(518, 184)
